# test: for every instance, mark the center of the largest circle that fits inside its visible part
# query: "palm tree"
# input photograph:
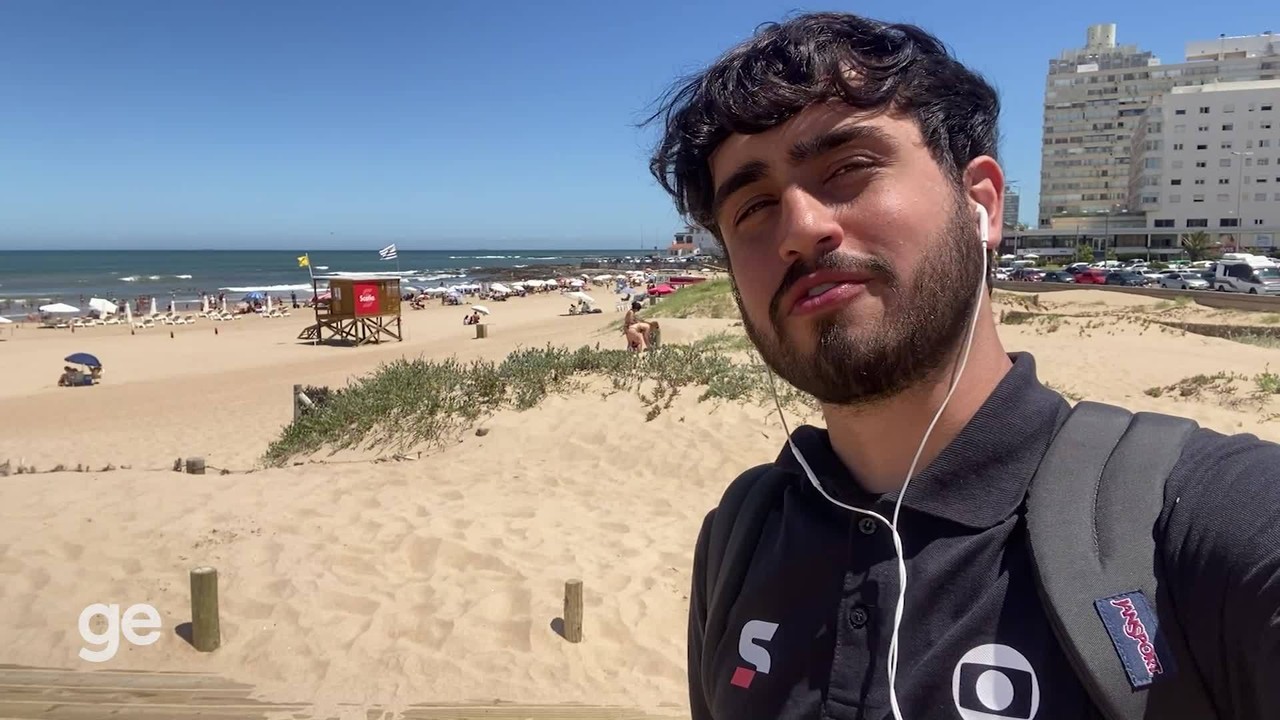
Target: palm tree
(1198, 245)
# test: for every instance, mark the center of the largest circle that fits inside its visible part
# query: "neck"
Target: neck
(877, 442)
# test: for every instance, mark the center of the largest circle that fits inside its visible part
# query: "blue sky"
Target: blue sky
(261, 123)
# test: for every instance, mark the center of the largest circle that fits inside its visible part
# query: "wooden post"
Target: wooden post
(482, 331)
(206, 634)
(297, 409)
(573, 611)
(195, 466)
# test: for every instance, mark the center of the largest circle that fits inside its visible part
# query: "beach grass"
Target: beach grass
(709, 299)
(415, 403)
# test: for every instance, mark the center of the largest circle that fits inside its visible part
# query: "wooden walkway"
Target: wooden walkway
(48, 694)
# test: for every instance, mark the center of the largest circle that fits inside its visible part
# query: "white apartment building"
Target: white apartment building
(1210, 159)
(1095, 98)
(701, 240)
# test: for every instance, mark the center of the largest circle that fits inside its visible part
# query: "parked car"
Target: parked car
(1058, 276)
(1092, 276)
(1027, 274)
(1183, 280)
(1126, 278)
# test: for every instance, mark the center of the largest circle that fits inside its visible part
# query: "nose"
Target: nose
(808, 227)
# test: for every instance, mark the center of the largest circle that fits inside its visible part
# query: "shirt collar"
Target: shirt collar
(981, 477)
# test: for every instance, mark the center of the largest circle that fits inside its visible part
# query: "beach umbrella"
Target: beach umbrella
(4, 320)
(268, 303)
(153, 306)
(59, 308)
(578, 295)
(204, 303)
(83, 359)
(662, 290)
(224, 304)
(499, 287)
(480, 309)
(104, 307)
(128, 314)
(173, 307)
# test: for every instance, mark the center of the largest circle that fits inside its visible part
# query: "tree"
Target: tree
(1198, 245)
(1084, 252)
(1111, 254)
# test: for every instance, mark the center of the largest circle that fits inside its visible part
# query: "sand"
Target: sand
(357, 582)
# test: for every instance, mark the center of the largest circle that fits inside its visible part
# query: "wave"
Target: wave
(136, 278)
(265, 288)
(441, 276)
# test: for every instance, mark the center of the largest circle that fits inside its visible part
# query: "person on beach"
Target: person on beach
(959, 541)
(636, 330)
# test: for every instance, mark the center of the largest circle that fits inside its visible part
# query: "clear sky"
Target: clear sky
(264, 123)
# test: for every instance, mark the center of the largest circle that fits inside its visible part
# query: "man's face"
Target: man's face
(855, 259)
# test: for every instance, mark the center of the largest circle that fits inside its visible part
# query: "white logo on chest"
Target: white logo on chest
(993, 682)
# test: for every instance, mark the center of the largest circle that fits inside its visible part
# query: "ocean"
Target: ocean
(32, 278)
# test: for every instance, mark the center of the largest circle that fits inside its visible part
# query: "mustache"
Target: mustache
(835, 262)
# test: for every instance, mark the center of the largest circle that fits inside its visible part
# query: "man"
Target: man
(841, 163)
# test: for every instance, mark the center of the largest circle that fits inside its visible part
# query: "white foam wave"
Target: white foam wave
(183, 277)
(265, 288)
(131, 278)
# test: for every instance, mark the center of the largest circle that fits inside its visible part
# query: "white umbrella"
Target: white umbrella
(224, 304)
(153, 306)
(204, 303)
(480, 309)
(578, 295)
(104, 307)
(575, 283)
(173, 305)
(128, 314)
(499, 287)
(268, 302)
(59, 308)
(4, 320)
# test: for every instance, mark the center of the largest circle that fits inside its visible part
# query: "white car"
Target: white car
(1182, 280)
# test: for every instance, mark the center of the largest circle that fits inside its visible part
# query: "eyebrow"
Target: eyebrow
(807, 149)
(801, 152)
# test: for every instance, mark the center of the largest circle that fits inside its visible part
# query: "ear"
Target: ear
(984, 185)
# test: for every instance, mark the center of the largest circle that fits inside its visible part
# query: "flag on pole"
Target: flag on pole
(388, 252)
(304, 261)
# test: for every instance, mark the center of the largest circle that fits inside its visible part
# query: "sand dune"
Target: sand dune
(348, 583)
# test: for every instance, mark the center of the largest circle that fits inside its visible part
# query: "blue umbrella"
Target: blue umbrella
(83, 359)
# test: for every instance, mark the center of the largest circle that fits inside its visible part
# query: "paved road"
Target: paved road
(1208, 298)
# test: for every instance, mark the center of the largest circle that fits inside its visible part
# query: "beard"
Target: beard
(921, 328)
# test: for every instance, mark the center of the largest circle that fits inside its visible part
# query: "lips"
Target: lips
(817, 291)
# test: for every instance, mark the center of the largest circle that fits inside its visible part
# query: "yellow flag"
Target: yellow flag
(304, 261)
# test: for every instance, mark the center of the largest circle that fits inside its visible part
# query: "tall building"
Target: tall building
(1092, 96)
(1012, 203)
(1095, 100)
(1211, 159)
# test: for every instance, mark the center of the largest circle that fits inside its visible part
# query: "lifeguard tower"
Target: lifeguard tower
(357, 311)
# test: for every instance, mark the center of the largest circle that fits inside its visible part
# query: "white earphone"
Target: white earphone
(984, 236)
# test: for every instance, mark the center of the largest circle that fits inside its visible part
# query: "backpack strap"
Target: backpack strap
(1092, 508)
(734, 534)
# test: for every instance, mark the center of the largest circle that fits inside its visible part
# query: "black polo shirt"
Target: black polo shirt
(808, 636)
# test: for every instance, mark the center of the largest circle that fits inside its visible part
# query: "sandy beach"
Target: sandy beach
(360, 582)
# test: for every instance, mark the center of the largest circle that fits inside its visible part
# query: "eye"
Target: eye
(850, 167)
(750, 209)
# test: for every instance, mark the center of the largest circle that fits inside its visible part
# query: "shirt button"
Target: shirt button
(867, 526)
(858, 617)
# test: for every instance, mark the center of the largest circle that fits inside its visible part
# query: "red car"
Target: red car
(1092, 276)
